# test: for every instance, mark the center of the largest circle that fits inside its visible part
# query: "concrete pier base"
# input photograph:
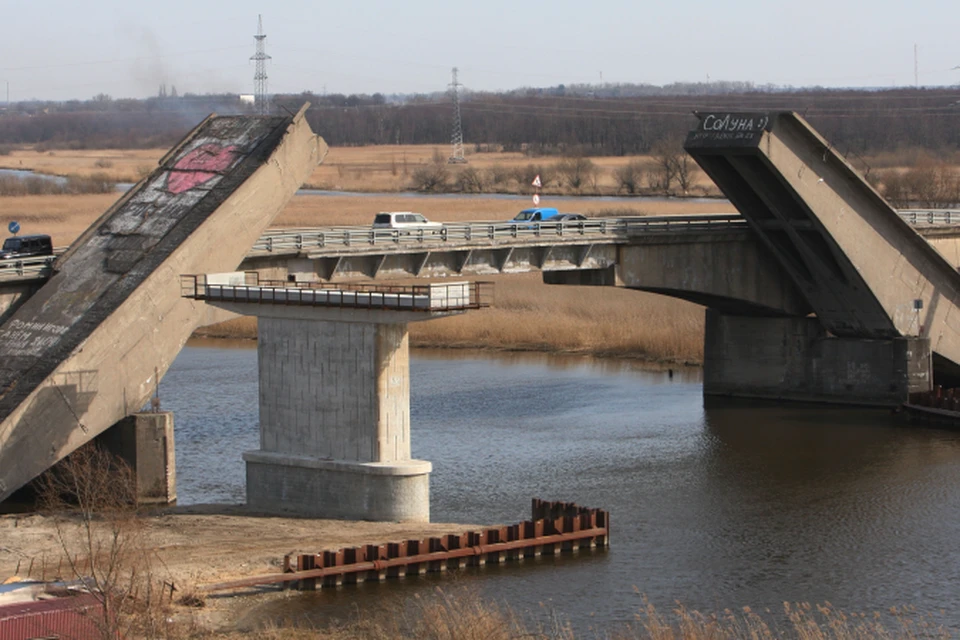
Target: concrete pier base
(380, 491)
(795, 359)
(145, 442)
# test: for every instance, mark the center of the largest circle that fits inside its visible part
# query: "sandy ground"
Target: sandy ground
(198, 545)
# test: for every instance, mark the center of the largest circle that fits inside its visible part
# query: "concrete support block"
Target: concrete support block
(145, 442)
(795, 359)
(338, 489)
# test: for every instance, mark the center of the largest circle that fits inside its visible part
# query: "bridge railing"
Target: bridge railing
(335, 239)
(931, 216)
(359, 239)
(448, 296)
(37, 267)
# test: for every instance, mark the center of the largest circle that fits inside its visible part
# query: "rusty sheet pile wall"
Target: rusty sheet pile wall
(554, 527)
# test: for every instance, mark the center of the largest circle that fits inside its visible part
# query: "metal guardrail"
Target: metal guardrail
(931, 216)
(356, 239)
(361, 239)
(452, 296)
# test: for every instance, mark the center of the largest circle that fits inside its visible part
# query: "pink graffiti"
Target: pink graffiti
(199, 166)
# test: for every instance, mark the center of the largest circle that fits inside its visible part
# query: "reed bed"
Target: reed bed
(531, 316)
(311, 210)
(463, 615)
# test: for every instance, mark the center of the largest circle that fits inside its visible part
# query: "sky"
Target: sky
(68, 49)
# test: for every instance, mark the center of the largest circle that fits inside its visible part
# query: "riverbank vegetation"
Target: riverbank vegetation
(461, 615)
(73, 185)
(531, 316)
(909, 177)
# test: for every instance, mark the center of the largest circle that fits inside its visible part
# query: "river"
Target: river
(718, 507)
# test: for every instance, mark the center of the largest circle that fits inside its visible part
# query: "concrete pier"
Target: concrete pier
(795, 359)
(334, 368)
(335, 421)
(145, 442)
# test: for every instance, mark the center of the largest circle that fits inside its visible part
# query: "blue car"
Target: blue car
(536, 214)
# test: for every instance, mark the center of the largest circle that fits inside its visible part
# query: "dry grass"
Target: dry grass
(531, 316)
(63, 217)
(386, 168)
(462, 615)
(119, 164)
(310, 211)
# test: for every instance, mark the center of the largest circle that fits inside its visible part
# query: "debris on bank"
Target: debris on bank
(554, 528)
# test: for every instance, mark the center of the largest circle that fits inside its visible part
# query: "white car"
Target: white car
(405, 221)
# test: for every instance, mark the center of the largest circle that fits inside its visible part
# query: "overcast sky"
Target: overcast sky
(63, 49)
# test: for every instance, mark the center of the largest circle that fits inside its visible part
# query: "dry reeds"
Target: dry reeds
(531, 316)
(462, 614)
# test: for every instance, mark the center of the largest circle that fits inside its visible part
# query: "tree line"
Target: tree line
(556, 121)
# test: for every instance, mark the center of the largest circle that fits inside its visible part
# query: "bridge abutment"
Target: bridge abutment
(795, 359)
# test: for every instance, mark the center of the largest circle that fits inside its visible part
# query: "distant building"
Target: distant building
(248, 98)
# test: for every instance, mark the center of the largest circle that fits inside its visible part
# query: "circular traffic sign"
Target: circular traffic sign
(536, 198)
(14, 227)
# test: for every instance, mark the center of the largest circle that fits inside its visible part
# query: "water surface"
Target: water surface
(717, 507)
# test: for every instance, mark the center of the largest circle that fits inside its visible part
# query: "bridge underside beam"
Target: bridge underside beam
(479, 261)
(731, 272)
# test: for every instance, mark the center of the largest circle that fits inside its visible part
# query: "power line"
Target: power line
(260, 75)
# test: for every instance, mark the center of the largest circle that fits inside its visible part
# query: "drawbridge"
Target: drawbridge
(90, 347)
(864, 270)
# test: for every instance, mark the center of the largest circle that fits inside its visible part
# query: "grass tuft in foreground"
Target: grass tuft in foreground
(462, 615)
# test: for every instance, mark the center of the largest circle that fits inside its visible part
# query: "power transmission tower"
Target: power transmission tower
(260, 75)
(457, 138)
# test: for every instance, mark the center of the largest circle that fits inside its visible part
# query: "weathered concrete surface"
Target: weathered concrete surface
(335, 414)
(145, 442)
(730, 272)
(864, 270)
(335, 417)
(84, 351)
(13, 294)
(795, 359)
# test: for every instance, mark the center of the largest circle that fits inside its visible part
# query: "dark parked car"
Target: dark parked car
(26, 246)
(567, 217)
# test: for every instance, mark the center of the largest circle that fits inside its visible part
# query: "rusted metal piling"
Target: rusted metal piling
(554, 527)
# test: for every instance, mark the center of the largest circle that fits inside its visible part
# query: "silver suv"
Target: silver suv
(404, 221)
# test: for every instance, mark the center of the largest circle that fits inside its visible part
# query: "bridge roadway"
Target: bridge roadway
(477, 248)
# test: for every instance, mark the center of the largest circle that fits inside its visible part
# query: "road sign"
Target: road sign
(14, 227)
(536, 199)
(536, 181)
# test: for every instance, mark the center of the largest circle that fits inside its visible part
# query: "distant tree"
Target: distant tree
(629, 177)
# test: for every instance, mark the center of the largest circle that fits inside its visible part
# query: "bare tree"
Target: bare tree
(629, 177)
(685, 170)
(92, 497)
(433, 177)
(577, 172)
(664, 168)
